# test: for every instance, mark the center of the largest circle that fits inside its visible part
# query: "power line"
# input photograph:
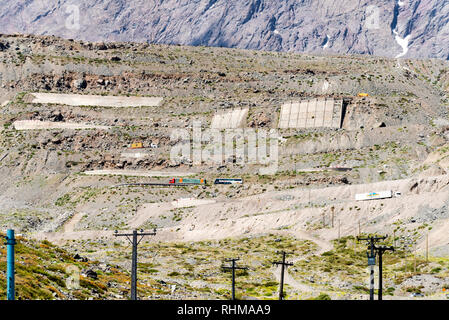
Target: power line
(233, 267)
(283, 265)
(134, 243)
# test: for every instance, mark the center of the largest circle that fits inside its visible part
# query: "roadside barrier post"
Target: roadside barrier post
(10, 273)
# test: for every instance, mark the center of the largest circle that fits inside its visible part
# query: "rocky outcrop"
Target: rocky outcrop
(384, 28)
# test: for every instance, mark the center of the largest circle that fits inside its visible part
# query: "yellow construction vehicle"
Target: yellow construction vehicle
(363, 95)
(137, 145)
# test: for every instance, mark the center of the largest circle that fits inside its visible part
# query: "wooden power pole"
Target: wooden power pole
(135, 242)
(381, 251)
(283, 264)
(233, 267)
(332, 213)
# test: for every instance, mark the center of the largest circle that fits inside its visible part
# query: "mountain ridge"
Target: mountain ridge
(417, 29)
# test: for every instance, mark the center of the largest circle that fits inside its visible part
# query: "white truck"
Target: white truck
(375, 195)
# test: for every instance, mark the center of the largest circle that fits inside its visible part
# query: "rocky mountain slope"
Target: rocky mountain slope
(391, 28)
(395, 138)
(47, 272)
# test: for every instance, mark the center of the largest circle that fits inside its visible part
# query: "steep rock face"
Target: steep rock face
(391, 28)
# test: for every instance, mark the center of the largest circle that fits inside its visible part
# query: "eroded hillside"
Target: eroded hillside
(393, 138)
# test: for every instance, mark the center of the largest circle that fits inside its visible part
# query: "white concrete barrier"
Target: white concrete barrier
(230, 119)
(48, 125)
(134, 155)
(312, 113)
(92, 100)
(137, 173)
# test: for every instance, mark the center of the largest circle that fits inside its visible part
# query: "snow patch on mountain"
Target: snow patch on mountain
(403, 42)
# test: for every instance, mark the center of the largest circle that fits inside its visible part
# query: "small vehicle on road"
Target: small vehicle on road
(416, 295)
(187, 181)
(228, 181)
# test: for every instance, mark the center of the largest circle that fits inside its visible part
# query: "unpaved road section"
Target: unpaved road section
(190, 202)
(301, 214)
(44, 125)
(71, 224)
(59, 237)
(92, 100)
(138, 173)
(288, 279)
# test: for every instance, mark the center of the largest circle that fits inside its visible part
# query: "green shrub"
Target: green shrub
(435, 270)
(322, 296)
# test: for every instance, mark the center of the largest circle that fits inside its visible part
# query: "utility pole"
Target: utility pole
(414, 261)
(371, 254)
(413, 249)
(394, 238)
(381, 251)
(10, 273)
(332, 213)
(134, 243)
(233, 267)
(338, 229)
(283, 265)
(324, 222)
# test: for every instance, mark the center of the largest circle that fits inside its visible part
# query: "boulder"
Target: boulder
(57, 116)
(79, 84)
(4, 46)
(78, 257)
(91, 274)
(380, 124)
